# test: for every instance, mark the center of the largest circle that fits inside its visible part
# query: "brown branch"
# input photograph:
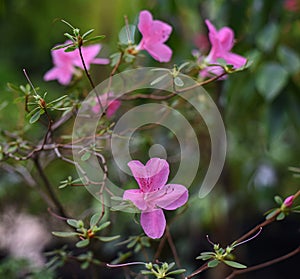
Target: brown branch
(197, 271)
(263, 265)
(173, 247)
(49, 187)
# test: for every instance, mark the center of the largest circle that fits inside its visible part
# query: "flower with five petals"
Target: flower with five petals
(154, 194)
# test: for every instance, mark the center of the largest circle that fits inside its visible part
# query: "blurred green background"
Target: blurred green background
(260, 107)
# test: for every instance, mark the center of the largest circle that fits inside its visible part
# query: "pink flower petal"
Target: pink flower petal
(159, 52)
(63, 75)
(226, 38)
(234, 59)
(155, 33)
(137, 197)
(152, 176)
(153, 223)
(175, 195)
(145, 23)
(112, 108)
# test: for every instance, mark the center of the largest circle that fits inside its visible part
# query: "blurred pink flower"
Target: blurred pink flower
(65, 63)
(291, 5)
(155, 33)
(222, 42)
(154, 194)
(288, 202)
(108, 102)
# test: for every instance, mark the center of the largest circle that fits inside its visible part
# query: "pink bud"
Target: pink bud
(288, 202)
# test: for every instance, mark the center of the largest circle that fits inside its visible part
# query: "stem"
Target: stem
(199, 270)
(263, 265)
(172, 246)
(79, 40)
(49, 188)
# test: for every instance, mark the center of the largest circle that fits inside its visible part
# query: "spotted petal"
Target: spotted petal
(152, 176)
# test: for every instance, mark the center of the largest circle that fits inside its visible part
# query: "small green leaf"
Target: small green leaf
(87, 33)
(65, 234)
(85, 156)
(126, 35)
(94, 39)
(213, 263)
(35, 117)
(177, 271)
(270, 80)
(157, 80)
(84, 265)
(278, 200)
(289, 59)
(272, 214)
(103, 226)
(95, 219)
(178, 81)
(234, 264)
(73, 223)
(71, 48)
(83, 243)
(61, 46)
(107, 238)
(280, 217)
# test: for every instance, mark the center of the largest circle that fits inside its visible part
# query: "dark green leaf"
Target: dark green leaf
(84, 265)
(266, 39)
(271, 214)
(103, 226)
(93, 40)
(177, 271)
(270, 80)
(289, 59)
(278, 200)
(87, 33)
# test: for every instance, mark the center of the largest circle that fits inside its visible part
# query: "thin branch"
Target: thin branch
(197, 271)
(263, 265)
(49, 188)
(173, 247)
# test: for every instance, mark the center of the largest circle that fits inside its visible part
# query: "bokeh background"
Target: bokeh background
(260, 108)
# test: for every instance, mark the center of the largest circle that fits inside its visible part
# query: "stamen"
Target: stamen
(249, 239)
(209, 240)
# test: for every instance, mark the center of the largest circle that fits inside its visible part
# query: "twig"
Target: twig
(263, 265)
(172, 246)
(197, 271)
(49, 188)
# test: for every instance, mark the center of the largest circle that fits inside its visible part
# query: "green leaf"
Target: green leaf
(157, 80)
(266, 39)
(71, 48)
(280, 217)
(213, 263)
(271, 214)
(83, 243)
(204, 257)
(84, 265)
(94, 39)
(65, 234)
(126, 35)
(178, 81)
(289, 59)
(95, 219)
(107, 238)
(85, 156)
(177, 271)
(103, 226)
(73, 223)
(35, 117)
(234, 264)
(270, 80)
(278, 200)
(61, 46)
(87, 33)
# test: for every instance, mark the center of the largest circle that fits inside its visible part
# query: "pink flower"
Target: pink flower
(108, 103)
(221, 44)
(155, 33)
(288, 202)
(154, 194)
(65, 63)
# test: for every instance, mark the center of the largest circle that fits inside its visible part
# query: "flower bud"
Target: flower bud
(288, 202)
